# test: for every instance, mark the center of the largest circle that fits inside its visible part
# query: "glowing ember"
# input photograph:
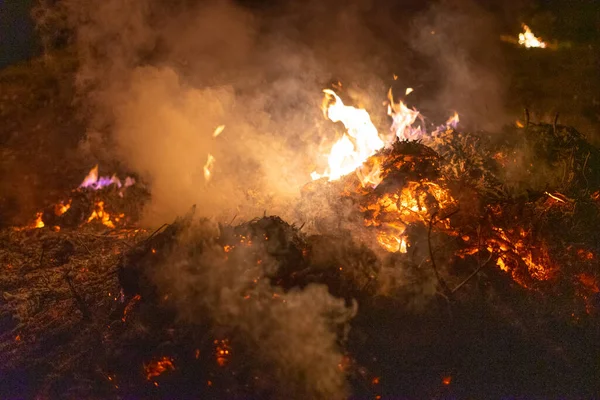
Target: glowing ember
(208, 167)
(130, 306)
(447, 380)
(359, 143)
(222, 352)
(218, 130)
(408, 91)
(158, 367)
(516, 249)
(529, 40)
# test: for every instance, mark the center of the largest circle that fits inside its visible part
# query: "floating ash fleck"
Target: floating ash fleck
(219, 129)
(208, 167)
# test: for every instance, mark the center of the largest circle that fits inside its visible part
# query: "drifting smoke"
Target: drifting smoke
(461, 38)
(159, 77)
(292, 335)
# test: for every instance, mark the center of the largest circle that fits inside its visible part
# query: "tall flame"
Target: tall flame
(403, 118)
(360, 141)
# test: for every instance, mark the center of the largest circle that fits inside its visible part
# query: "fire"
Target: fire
(222, 352)
(95, 182)
(130, 306)
(528, 39)
(453, 121)
(158, 367)
(61, 208)
(360, 141)
(208, 167)
(100, 214)
(39, 223)
(403, 118)
(392, 213)
(515, 249)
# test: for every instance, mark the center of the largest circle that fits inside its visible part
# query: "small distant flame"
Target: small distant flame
(208, 167)
(529, 40)
(408, 91)
(218, 130)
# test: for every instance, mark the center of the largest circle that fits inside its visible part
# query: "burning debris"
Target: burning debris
(89, 203)
(416, 219)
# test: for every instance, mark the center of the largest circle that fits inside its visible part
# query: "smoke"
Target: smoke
(290, 337)
(158, 77)
(460, 37)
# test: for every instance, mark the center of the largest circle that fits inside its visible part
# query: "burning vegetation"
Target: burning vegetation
(427, 259)
(426, 219)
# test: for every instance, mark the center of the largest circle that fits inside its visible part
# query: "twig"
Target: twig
(441, 282)
(526, 118)
(555, 122)
(472, 274)
(83, 244)
(302, 226)
(233, 219)
(155, 232)
(42, 256)
(587, 183)
(85, 311)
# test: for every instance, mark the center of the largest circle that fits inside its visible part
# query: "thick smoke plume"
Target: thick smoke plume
(160, 76)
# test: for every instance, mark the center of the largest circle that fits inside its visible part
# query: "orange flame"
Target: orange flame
(39, 223)
(528, 39)
(158, 367)
(360, 141)
(101, 215)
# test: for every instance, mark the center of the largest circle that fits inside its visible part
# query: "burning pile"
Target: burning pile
(88, 204)
(413, 219)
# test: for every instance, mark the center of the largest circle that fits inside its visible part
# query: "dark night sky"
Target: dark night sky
(17, 37)
(574, 20)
